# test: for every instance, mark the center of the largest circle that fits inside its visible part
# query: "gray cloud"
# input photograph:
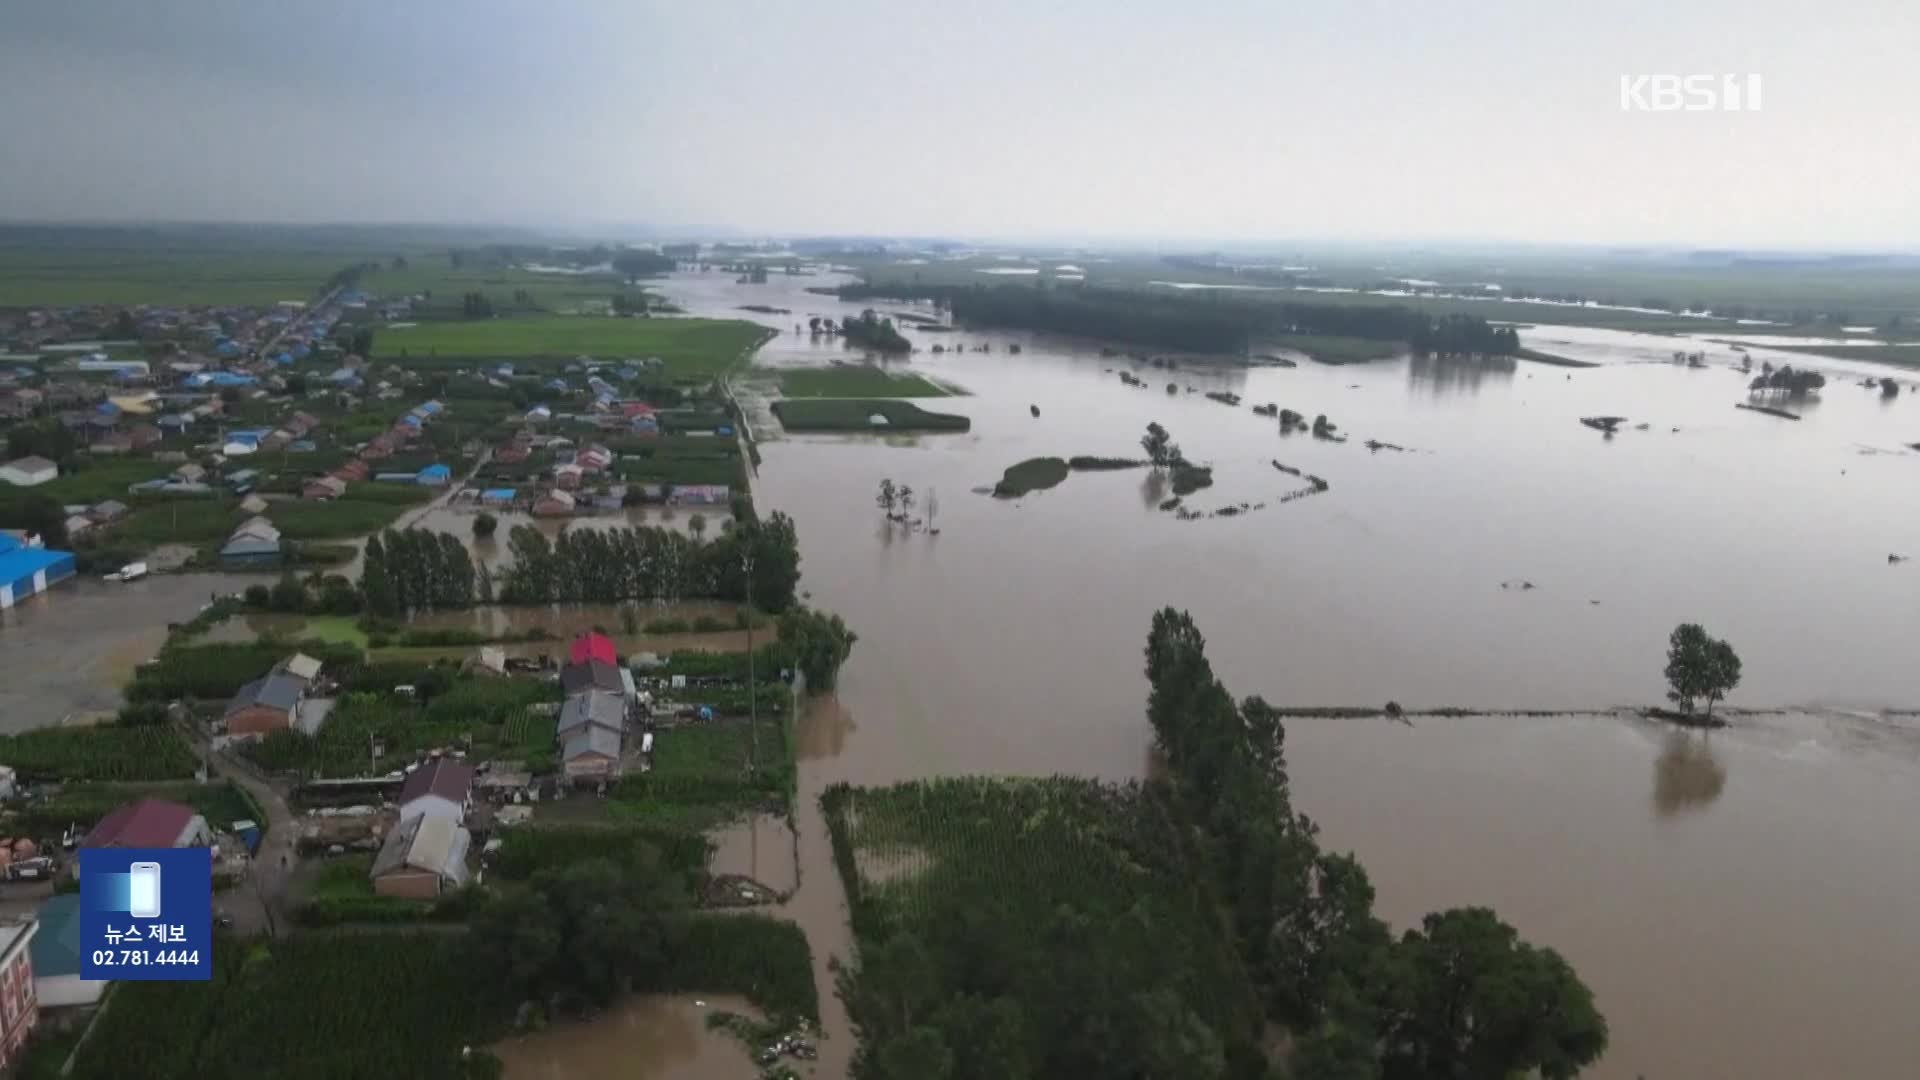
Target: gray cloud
(1319, 119)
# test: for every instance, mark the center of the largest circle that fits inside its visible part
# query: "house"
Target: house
(435, 475)
(255, 543)
(243, 480)
(489, 660)
(253, 504)
(143, 436)
(324, 487)
(593, 645)
(112, 444)
(566, 477)
(590, 675)
(151, 823)
(28, 471)
(497, 497)
(191, 473)
(19, 1004)
(552, 504)
(422, 858)
(265, 704)
(605, 709)
(26, 569)
(56, 957)
(443, 788)
(300, 666)
(109, 511)
(78, 525)
(591, 753)
(701, 494)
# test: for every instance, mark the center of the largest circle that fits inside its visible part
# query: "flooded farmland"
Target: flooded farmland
(670, 1029)
(1736, 903)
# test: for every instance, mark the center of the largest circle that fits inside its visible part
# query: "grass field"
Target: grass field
(435, 274)
(855, 380)
(855, 414)
(688, 346)
(333, 520)
(105, 478)
(1033, 474)
(31, 276)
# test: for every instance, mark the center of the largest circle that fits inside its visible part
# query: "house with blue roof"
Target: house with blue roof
(56, 956)
(435, 475)
(26, 570)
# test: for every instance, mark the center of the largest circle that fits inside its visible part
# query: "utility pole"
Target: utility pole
(753, 693)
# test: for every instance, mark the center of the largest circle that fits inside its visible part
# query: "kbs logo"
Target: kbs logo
(1689, 93)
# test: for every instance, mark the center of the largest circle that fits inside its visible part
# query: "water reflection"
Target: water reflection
(1153, 489)
(1442, 375)
(823, 728)
(1686, 777)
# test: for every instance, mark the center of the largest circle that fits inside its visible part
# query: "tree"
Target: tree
(1699, 666)
(1156, 443)
(1481, 1002)
(296, 383)
(288, 595)
(906, 500)
(820, 643)
(39, 515)
(887, 498)
(697, 525)
(484, 524)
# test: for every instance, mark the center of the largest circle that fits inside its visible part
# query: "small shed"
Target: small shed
(28, 471)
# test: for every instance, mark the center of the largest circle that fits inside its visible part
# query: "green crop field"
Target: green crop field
(31, 276)
(855, 380)
(856, 414)
(688, 346)
(444, 286)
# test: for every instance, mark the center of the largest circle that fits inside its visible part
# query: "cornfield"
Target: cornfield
(151, 752)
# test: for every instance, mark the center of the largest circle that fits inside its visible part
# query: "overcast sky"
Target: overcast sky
(1270, 119)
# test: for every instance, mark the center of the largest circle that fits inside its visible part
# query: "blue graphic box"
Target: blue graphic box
(146, 913)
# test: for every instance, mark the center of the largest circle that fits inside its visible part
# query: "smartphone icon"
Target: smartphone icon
(144, 893)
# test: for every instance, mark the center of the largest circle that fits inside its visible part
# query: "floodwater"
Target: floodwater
(648, 1037)
(1738, 905)
(67, 653)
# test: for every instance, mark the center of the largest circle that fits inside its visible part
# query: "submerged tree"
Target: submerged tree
(1699, 666)
(906, 500)
(888, 496)
(1158, 445)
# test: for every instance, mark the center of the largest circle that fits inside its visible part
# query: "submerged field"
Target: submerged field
(856, 414)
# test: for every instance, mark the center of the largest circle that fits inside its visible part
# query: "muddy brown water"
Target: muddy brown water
(1736, 902)
(649, 1037)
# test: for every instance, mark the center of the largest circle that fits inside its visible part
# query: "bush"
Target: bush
(765, 960)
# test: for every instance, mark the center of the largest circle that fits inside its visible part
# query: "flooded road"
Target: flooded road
(1735, 908)
(68, 651)
(651, 1037)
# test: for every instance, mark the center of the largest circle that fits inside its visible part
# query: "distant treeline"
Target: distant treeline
(1189, 323)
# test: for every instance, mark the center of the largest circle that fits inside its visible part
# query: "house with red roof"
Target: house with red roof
(592, 646)
(151, 823)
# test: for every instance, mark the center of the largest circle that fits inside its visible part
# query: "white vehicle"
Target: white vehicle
(129, 572)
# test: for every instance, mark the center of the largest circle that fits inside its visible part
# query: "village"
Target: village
(354, 765)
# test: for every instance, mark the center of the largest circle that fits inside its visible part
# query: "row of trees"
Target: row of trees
(756, 560)
(1460, 996)
(1205, 322)
(475, 305)
(416, 570)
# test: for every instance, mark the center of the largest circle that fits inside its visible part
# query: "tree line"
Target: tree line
(1460, 996)
(870, 331)
(1198, 323)
(416, 570)
(647, 563)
